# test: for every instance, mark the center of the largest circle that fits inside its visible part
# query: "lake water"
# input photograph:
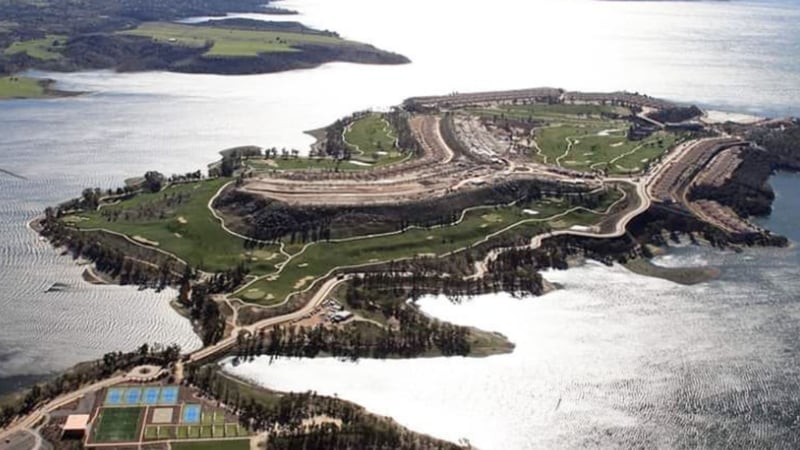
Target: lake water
(740, 56)
(611, 360)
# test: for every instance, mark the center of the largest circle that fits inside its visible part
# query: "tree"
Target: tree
(153, 181)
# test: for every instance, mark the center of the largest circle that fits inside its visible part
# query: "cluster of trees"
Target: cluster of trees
(86, 373)
(416, 335)
(675, 114)
(232, 160)
(289, 419)
(335, 147)
(406, 141)
(110, 259)
(203, 310)
(228, 280)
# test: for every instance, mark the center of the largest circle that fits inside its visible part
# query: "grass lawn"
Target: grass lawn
(38, 48)
(118, 425)
(372, 140)
(219, 418)
(188, 229)
(232, 444)
(232, 42)
(165, 432)
(20, 87)
(321, 257)
(151, 432)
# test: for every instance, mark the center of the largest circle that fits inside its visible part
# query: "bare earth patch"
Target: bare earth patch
(182, 220)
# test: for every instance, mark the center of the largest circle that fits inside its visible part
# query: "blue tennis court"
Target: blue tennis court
(151, 395)
(133, 395)
(191, 414)
(114, 396)
(169, 395)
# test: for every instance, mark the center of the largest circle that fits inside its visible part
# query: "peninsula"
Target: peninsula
(288, 255)
(145, 36)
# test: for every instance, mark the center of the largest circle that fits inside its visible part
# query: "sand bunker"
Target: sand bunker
(144, 241)
(303, 281)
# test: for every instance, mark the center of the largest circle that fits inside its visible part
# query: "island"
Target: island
(146, 36)
(288, 255)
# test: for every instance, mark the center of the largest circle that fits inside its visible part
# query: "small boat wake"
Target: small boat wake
(12, 174)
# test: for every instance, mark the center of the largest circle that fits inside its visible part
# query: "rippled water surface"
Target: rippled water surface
(613, 359)
(736, 55)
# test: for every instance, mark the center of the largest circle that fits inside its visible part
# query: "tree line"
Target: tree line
(306, 420)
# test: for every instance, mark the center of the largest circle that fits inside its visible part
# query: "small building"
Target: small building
(75, 426)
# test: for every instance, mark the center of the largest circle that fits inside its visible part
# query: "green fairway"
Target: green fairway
(20, 87)
(584, 137)
(372, 140)
(595, 147)
(46, 49)
(232, 444)
(177, 220)
(319, 258)
(556, 113)
(232, 42)
(118, 425)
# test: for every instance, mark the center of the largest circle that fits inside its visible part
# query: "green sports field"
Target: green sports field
(118, 425)
(237, 444)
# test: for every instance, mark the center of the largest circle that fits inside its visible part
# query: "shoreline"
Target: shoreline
(600, 244)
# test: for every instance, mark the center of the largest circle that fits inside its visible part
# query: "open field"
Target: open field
(232, 42)
(118, 425)
(372, 140)
(38, 48)
(319, 258)
(20, 87)
(187, 229)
